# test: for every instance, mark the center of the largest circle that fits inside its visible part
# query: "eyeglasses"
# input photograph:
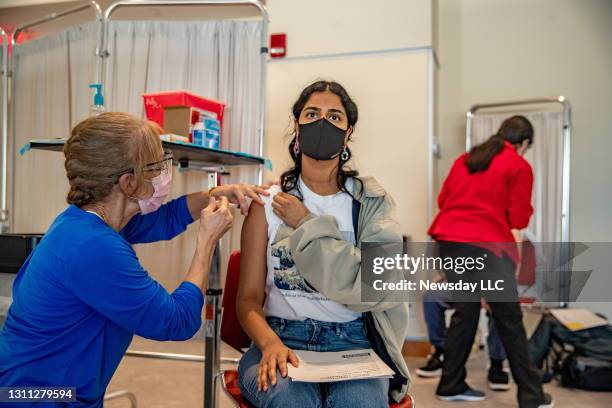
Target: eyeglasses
(164, 166)
(152, 170)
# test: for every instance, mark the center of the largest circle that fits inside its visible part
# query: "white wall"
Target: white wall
(318, 27)
(514, 49)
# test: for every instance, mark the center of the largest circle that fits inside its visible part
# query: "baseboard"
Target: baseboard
(416, 348)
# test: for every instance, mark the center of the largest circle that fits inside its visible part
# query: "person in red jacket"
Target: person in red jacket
(484, 203)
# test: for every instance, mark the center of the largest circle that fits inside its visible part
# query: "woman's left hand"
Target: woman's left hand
(289, 208)
(238, 194)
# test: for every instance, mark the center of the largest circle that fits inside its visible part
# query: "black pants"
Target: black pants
(508, 319)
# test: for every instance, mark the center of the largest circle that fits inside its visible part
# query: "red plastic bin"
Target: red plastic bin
(155, 103)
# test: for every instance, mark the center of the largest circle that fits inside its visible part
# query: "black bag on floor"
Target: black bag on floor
(585, 373)
(581, 359)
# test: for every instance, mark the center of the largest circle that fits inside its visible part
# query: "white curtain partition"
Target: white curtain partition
(215, 59)
(546, 157)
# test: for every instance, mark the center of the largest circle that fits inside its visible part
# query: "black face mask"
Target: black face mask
(321, 140)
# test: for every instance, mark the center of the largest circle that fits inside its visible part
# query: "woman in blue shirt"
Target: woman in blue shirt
(83, 294)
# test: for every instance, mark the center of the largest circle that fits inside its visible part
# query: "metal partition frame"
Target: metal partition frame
(122, 394)
(54, 16)
(4, 101)
(567, 134)
(7, 94)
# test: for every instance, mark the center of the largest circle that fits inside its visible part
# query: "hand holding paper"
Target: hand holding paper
(338, 366)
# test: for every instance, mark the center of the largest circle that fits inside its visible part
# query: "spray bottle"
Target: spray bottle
(98, 101)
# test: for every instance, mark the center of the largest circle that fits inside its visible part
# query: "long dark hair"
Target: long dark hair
(289, 179)
(515, 130)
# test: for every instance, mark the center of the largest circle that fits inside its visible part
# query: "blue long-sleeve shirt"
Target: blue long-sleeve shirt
(82, 295)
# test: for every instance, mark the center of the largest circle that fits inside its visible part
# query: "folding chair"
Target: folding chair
(233, 334)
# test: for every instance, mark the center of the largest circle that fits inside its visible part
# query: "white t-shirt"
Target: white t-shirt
(288, 295)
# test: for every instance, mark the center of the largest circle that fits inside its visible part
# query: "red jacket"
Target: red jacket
(485, 206)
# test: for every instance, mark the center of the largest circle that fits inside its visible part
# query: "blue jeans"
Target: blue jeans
(313, 335)
(435, 303)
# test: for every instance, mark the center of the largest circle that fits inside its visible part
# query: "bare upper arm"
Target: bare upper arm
(253, 246)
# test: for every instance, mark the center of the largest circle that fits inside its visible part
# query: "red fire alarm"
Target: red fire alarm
(278, 45)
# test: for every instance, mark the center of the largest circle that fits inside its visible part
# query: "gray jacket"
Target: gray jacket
(333, 266)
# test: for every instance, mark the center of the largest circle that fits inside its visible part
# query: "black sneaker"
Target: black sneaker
(433, 368)
(549, 402)
(499, 380)
(467, 395)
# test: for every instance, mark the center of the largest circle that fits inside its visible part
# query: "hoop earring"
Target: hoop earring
(296, 148)
(344, 156)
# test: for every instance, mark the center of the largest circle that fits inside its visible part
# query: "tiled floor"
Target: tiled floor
(173, 384)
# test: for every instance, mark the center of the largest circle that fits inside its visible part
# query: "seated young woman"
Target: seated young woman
(300, 280)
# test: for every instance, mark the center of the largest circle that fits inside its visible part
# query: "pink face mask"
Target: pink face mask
(162, 185)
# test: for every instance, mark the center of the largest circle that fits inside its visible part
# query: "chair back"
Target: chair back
(231, 330)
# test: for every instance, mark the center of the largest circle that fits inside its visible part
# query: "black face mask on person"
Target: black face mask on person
(321, 140)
